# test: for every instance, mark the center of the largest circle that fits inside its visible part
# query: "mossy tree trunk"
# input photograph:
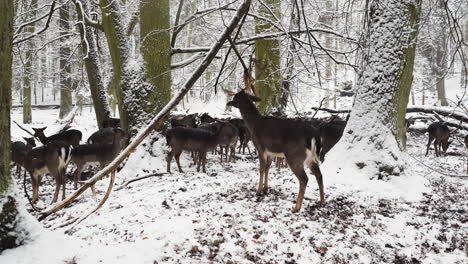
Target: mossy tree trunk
(267, 53)
(65, 66)
(156, 51)
(28, 68)
(92, 66)
(375, 134)
(8, 211)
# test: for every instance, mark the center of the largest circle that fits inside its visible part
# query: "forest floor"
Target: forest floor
(193, 217)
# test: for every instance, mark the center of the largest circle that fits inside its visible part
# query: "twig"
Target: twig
(27, 195)
(46, 26)
(23, 129)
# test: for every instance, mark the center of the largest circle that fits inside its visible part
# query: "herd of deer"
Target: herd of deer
(298, 141)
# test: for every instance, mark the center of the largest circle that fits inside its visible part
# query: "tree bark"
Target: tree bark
(374, 136)
(8, 212)
(154, 32)
(27, 83)
(92, 66)
(267, 54)
(65, 66)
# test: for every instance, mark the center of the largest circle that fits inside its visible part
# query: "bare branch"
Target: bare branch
(46, 26)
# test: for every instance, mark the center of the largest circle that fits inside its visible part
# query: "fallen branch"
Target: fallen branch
(160, 116)
(139, 179)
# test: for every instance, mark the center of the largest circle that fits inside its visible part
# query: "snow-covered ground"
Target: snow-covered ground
(216, 217)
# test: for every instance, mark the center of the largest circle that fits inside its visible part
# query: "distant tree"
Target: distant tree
(376, 134)
(28, 67)
(441, 55)
(65, 64)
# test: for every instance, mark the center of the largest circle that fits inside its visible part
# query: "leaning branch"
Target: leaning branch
(160, 116)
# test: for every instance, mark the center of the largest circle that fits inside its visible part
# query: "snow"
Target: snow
(195, 217)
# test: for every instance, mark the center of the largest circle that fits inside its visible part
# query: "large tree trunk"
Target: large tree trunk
(27, 77)
(92, 66)
(267, 54)
(156, 51)
(65, 66)
(375, 133)
(8, 211)
(118, 48)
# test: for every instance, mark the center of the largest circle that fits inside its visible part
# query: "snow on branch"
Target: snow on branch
(46, 26)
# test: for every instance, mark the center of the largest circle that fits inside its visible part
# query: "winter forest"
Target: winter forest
(233, 131)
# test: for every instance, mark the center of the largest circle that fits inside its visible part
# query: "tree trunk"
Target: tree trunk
(27, 83)
(92, 66)
(118, 48)
(8, 211)
(155, 17)
(267, 54)
(65, 66)
(375, 133)
(441, 54)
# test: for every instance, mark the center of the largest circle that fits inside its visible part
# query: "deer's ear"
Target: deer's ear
(231, 103)
(254, 98)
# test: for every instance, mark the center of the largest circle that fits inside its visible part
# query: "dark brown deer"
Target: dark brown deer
(440, 134)
(227, 141)
(102, 153)
(330, 134)
(298, 142)
(191, 139)
(51, 158)
(19, 150)
(184, 121)
(71, 137)
(110, 121)
(104, 135)
(206, 118)
(244, 135)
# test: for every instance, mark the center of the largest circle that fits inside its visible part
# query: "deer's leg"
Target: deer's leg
(168, 160)
(35, 187)
(177, 156)
(77, 174)
(58, 183)
(436, 150)
(64, 183)
(203, 159)
(262, 160)
(318, 176)
(268, 162)
(297, 168)
(429, 144)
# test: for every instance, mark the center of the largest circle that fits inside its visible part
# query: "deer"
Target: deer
(298, 142)
(110, 121)
(52, 158)
(191, 139)
(71, 137)
(206, 118)
(330, 134)
(19, 150)
(103, 135)
(102, 153)
(244, 135)
(184, 121)
(440, 134)
(229, 135)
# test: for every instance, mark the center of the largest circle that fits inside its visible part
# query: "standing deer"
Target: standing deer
(102, 153)
(298, 142)
(191, 139)
(440, 134)
(19, 150)
(71, 137)
(51, 158)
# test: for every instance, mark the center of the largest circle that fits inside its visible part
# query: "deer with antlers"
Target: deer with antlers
(298, 142)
